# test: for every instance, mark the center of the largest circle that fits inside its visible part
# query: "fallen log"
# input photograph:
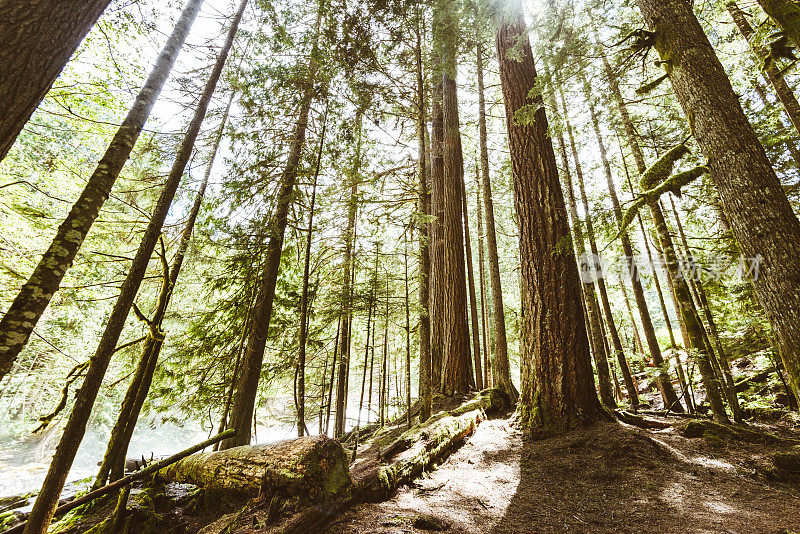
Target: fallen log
(124, 481)
(641, 422)
(376, 478)
(759, 377)
(313, 469)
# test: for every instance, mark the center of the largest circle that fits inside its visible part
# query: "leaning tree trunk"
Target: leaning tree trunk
(662, 380)
(773, 73)
(500, 367)
(37, 39)
(75, 428)
(592, 308)
(423, 211)
(247, 382)
(347, 305)
(630, 259)
(561, 394)
(786, 14)
(301, 358)
(473, 305)
(760, 216)
(34, 297)
(455, 331)
(121, 434)
(702, 301)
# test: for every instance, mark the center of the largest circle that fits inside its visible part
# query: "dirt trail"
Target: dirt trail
(611, 478)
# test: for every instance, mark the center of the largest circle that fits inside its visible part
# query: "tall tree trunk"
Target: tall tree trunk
(455, 331)
(685, 385)
(785, 94)
(75, 428)
(408, 334)
(37, 39)
(247, 385)
(482, 279)
(366, 361)
(786, 14)
(683, 299)
(592, 308)
(436, 279)
(636, 283)
(691, 320)
(500, 367)
(301, 363)
(33, 298)
(473, 305)
(702, 301)
(349, 240)
(561, 393)
(756, 206)
(117, 449)
(423, 211)
(332, 376)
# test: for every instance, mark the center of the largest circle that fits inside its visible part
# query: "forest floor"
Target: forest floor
(610, 478)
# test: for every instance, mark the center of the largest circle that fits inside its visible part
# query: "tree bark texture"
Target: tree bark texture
(786, 14)
(562, 393)
(455, 330)
(37, 39)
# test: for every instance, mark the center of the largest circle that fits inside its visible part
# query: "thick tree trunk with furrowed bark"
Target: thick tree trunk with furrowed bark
(37, 39)
(561, 394)
(75, 428)
(760, 216)
(455, 330)
(19, 321)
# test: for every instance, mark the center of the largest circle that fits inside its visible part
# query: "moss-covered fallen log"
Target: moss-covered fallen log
(313, 469)
(377, 475)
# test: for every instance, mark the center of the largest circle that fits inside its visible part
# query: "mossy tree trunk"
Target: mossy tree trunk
(33, 298)
(561, 393)
(760, 215)
(423, 211)
(75, 427)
